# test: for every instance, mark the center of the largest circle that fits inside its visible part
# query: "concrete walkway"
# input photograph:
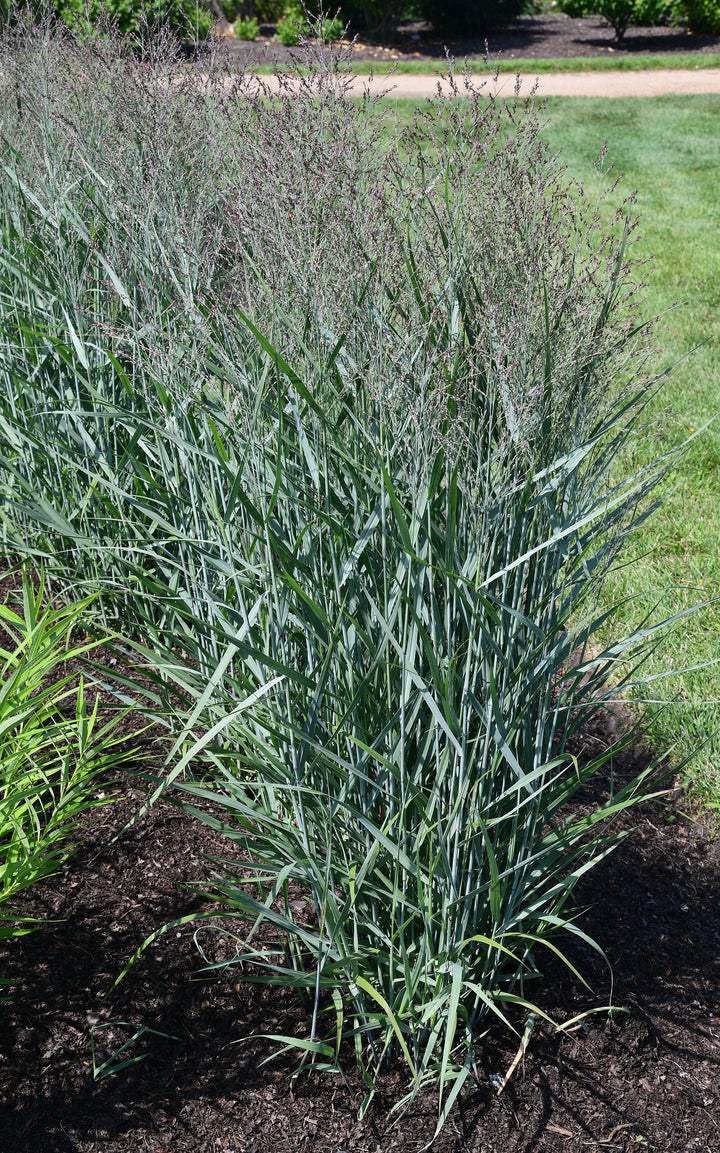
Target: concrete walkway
(660, 82)
(655, 83)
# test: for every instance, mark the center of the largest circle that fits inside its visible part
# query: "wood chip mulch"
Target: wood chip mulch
(548, 36)
(645, 1079)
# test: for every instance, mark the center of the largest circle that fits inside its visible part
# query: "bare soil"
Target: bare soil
(644, 1078)
(529, 37)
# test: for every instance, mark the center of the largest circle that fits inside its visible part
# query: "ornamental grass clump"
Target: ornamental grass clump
(334, 419)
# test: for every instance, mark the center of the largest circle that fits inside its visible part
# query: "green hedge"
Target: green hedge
(703, 16)
(189, 19)
(645, 13)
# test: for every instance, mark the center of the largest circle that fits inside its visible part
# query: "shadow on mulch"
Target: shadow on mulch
(642, 1079)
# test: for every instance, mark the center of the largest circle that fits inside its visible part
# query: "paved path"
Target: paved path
(659, 82)
(655, 83)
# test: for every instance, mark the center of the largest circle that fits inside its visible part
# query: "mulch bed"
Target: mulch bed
(529, 37)
(645, 1079)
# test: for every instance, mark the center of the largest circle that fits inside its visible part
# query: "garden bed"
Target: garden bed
(642, 1080)
(530, 37)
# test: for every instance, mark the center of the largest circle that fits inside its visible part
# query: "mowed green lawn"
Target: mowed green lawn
(638, 62)
(668, 149)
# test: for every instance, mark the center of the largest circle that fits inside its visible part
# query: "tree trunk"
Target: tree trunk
(392, 10)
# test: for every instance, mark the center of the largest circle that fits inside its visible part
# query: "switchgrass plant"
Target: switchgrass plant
(53, 746)
(332, 423)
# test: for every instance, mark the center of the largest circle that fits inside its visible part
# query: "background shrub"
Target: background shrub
(469, 18)
(332, 30)
(190, 19)
(644, 13)
(270, 11)
(379, 18)
(576, 8)
(291, 29)
(703, 16)
(246, 29)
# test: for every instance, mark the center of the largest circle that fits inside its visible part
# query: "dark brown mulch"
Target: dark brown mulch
(647, 1079)
(530, 37)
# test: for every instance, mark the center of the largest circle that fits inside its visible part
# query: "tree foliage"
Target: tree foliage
(470, 17)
